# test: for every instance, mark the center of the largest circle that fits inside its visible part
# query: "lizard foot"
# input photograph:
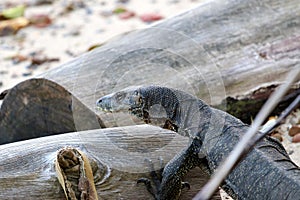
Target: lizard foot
(156, 178)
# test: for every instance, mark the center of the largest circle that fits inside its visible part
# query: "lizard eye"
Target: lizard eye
(140, 100)
(136, 92)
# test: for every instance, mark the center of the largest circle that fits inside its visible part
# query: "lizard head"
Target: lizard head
(128, 99)
(145, 102)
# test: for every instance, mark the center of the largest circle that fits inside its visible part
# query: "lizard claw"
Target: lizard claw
(185, 185)
(155, 177)
(148, 185)
(146, 181)
(153, 184)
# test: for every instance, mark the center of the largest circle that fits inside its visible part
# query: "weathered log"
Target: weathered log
(27, 167)
(219, 49)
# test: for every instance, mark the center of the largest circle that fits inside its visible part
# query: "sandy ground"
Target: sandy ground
(71, 33)
(293, 149)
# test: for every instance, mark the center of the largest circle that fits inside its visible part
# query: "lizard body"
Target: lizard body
(265, 173)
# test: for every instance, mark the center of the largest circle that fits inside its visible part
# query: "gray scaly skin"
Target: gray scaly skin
(265, 173)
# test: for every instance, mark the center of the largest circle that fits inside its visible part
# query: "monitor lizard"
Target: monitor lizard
(265, 173)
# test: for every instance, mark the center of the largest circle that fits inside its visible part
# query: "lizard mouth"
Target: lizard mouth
(103, 104)
(106, 104)
(104, 109)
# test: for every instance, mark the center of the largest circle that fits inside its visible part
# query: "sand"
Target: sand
(72, 33)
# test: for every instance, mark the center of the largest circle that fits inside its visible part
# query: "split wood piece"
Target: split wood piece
(75, 174)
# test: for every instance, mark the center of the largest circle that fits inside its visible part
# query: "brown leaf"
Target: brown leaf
(294, 130)
(12, 26)
(296, 138)
(40, 20)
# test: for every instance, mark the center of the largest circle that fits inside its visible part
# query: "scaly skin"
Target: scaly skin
(265, 173)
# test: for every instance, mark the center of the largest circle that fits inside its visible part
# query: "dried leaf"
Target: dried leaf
(12, 26)
(94, 47)
(295, 129)
(40, 20)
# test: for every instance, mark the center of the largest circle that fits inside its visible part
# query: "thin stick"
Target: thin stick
(224, 169)
(277, 122)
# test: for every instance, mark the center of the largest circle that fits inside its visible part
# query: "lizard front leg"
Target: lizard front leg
(170, 184)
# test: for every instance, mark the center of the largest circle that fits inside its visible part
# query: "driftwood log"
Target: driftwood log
(219, 49)
(27, 167)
